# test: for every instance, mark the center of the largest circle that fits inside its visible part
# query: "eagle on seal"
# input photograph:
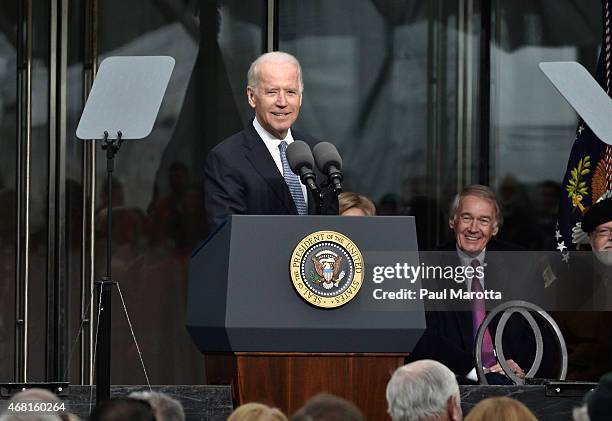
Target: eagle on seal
(327, 268)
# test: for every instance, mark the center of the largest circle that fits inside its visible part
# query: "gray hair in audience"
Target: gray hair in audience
(421, 390)
(483, 192)
(165, 407)
(29, 416)
(32, 395)
(581, 414)
(253, 76)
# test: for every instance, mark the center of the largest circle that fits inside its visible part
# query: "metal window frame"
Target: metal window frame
(90, 67)
(23, 147)
(272, 26)
(57, 339)
(57, 342)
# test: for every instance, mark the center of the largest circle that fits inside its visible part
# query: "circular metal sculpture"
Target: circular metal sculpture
(525, 309)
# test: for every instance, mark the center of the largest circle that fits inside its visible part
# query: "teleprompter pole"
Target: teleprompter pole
(105, 286)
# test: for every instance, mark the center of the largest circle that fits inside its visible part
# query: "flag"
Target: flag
(588, 176)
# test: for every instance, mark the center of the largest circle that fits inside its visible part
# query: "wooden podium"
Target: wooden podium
(259, 335)
(287, 381)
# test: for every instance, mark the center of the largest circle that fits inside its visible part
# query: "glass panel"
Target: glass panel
(532, 127)
(74, 187)
(380, 84)
(39, 193)
(157, 193)
(8, 187)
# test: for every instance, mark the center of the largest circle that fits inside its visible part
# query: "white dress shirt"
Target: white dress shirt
(272, 144)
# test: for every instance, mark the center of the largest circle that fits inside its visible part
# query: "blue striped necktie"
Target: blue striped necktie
(293, 182)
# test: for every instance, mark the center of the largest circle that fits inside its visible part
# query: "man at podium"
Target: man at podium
(248, 173)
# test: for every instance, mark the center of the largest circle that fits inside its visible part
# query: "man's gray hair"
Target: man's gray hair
(32, 395)
(253, 76)
(25, 416)
(581, 413)
(164, 407)
(481, 191)
(421, 390)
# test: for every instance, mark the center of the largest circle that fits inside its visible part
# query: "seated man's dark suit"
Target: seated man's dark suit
(240, 177)
(448, 337)
(584, 292)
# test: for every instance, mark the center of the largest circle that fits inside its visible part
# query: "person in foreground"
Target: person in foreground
(423, 391)
(327, 407)
(248, 173)
(256, 412)
(597, 403)
(500, 409)
(164, 407)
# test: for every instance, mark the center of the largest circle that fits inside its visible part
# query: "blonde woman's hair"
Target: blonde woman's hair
(500, 409)
(348, 200)
(256, 412)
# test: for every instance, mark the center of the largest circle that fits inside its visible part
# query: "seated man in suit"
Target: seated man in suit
(475, 218)
(248, 172)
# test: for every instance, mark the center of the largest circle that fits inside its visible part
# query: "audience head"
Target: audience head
(33, 395)
(23, 416)
(123, 409)
(475, 216)
(597, 222)
(500, 409)
(164, 407)
(36, 394)
(353, 204)
(326, 407)
(597, 403)
(256, 412)
(423, 390)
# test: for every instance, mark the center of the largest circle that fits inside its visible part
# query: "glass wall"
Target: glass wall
(394, 84)
(157, 198)
(74, 284)
(39, 191)
(532, 127)
(8, 185)
(375, 73)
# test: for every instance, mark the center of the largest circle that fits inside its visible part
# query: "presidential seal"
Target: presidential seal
(326, 269)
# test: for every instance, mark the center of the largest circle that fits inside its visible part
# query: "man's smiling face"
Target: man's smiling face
(601, 242)
(277, 97)
(474, 224)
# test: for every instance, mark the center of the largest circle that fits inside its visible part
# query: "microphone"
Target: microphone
(301, 163)
(329, 162)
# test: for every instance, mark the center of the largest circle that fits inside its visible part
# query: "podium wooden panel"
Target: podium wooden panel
(287, 381)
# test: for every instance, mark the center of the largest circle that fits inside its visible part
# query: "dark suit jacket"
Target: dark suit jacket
(448, 337)
(240, 177)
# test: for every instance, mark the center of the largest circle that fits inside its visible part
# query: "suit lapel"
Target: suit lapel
(258, 155)
(463, 319)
